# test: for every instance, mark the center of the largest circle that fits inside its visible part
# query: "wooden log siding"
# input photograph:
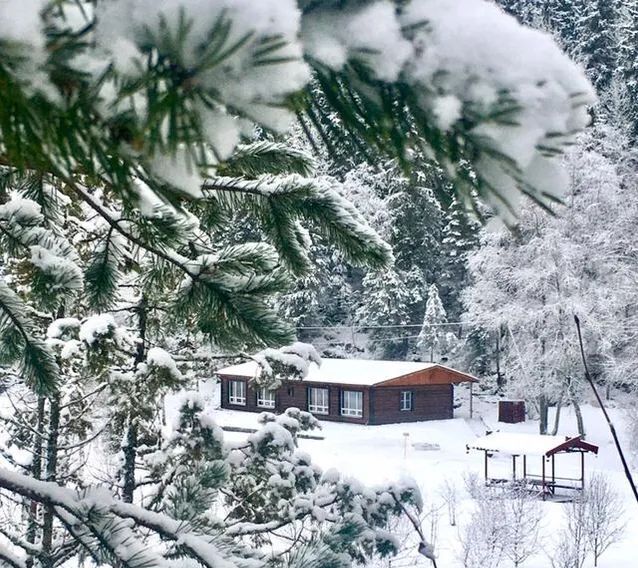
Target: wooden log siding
(429, 402)
(432, 396)
(381, 405)
(295, 394)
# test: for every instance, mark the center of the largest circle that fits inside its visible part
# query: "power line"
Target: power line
(401, 325)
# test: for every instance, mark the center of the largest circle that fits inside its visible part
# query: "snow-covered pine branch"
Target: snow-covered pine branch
(17, 341)
(468, 98)
(282, 201)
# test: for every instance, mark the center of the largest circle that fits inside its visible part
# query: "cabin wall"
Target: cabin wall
(429, 402)
(295, 394)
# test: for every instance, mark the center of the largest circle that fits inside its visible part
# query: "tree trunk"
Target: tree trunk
(543, 413)
(130, 447)
(36, 472)
(51, 476)
(579, 416)
(559, 407)
(130, 455)
(499, 378)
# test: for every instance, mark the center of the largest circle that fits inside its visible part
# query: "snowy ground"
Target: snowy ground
(376, 453)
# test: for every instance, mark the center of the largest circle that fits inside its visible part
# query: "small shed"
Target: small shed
(351, 390)
(538, 446)
(511, 411)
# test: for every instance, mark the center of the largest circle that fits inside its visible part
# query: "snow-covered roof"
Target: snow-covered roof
(513, 443)
(363, 372)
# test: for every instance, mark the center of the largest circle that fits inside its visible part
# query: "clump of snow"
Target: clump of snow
(125, 25)
(455, 57)
(272, 434)
(62, 327)
(64, 272)
(223, 130)
(22, 25)
(179, 171)
(447, 110)
(21, 210)
(331, 475)
(21, 456)
(71, 349)
(292, 361)
(148, 202)
(371, 32)
(161, 359)
(97, 327)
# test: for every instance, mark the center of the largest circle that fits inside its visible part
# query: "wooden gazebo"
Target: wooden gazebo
(536, 445)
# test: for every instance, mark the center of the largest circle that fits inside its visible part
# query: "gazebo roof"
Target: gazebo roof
(516, 444)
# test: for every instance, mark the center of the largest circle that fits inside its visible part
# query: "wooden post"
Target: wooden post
(543, 477)
(553, 474)
(582, 470)
(485, 466)
(471, 401)
(513, 468)
(524, 466)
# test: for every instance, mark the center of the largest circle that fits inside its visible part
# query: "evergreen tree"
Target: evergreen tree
(562, 17)
(525, 11)
(416, 234)
(383, 313)
(628, 60)
(597, 29)
(459, 238)
(432, 337)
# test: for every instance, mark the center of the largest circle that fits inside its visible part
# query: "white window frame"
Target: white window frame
(406, 401)
(265, 398)
(237, 392)
(318, 400)
(352, 403)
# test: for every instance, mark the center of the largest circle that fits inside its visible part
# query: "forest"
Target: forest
(185, 185)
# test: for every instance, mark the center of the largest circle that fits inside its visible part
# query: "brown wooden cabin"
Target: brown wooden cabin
(351, 390)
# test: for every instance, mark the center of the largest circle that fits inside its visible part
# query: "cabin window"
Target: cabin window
(406, 400)
(318, 400)
(266, 398)
(237, 392)
(351, 403)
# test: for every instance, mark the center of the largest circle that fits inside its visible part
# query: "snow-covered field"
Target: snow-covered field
(377, 453)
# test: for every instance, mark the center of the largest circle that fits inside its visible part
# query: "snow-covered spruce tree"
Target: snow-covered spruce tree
(384, 313)
(525, 11)
(133, 389)
(628, 58)
(562, 17)
(597, 43)
(136, 110)
(325, 297)
(460, 237)
(433, 337)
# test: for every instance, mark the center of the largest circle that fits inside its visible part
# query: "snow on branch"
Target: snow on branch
(93, 505)
(288, 362)
(507, 101)
(17, 341)
(510, 94)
